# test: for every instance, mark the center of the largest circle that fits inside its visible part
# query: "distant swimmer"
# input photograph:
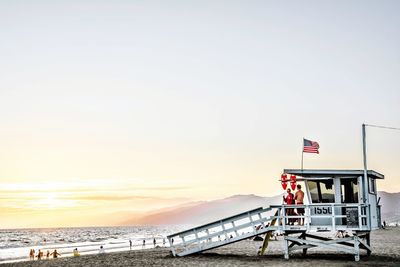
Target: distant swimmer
(76, 252)
(55, 254)
(163, 242)
(39, 255)
(154, 242)
(130, 244)
(144, 242)
(101, 250)
(32, 254)
(48, 255)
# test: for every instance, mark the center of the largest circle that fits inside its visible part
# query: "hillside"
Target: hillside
(390, 206)
(203, 212)
(206, 211)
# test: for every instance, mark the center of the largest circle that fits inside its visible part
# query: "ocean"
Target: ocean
(15, 244)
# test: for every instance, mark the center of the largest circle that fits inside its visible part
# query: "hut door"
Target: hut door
(348, 194)
(349, 190)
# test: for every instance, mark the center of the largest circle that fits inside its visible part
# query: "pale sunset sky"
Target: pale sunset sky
(115, 108)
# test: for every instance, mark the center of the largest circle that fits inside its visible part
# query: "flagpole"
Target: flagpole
(302, 156)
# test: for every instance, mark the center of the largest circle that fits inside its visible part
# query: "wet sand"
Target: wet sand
(385, 244)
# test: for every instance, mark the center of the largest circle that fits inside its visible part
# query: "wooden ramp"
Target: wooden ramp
(224, 232)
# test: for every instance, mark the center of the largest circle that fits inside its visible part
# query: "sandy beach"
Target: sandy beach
(385, 243)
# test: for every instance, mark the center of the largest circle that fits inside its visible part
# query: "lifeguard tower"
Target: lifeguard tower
(336, 201)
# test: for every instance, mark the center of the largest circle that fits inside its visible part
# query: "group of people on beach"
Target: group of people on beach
(40, 254)
(54, 254)
(154, 242)
(297, 199)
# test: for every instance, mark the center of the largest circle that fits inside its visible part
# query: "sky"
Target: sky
(125, 107)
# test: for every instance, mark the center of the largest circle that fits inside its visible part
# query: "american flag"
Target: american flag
(310, 146)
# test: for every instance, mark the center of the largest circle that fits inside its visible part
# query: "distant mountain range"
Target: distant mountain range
(206, 211)
(390, 203)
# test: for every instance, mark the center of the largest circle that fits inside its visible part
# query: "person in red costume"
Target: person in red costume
(289, 200)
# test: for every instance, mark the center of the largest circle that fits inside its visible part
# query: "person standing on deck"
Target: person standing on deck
(299, 197)
(289, 200)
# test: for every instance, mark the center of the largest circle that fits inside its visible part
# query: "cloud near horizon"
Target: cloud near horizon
(37, 202)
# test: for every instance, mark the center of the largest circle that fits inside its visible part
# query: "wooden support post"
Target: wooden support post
(284, 218)
(286, 247)
(304, 249)
(356, 249)
(172, 247)
(333, 218)
(368, 239)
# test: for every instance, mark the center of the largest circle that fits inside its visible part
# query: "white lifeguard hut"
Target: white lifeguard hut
(342, 193)
(336, 201)
(339, 201)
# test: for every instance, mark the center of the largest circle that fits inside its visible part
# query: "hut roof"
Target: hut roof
(307, 173)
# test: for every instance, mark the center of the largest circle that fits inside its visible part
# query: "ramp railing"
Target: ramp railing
(222, 232)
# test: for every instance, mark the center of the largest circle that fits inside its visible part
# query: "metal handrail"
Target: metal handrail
(363, 209)
(216, 223)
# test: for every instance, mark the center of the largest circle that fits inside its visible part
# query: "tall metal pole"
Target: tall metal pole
(365, 189)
